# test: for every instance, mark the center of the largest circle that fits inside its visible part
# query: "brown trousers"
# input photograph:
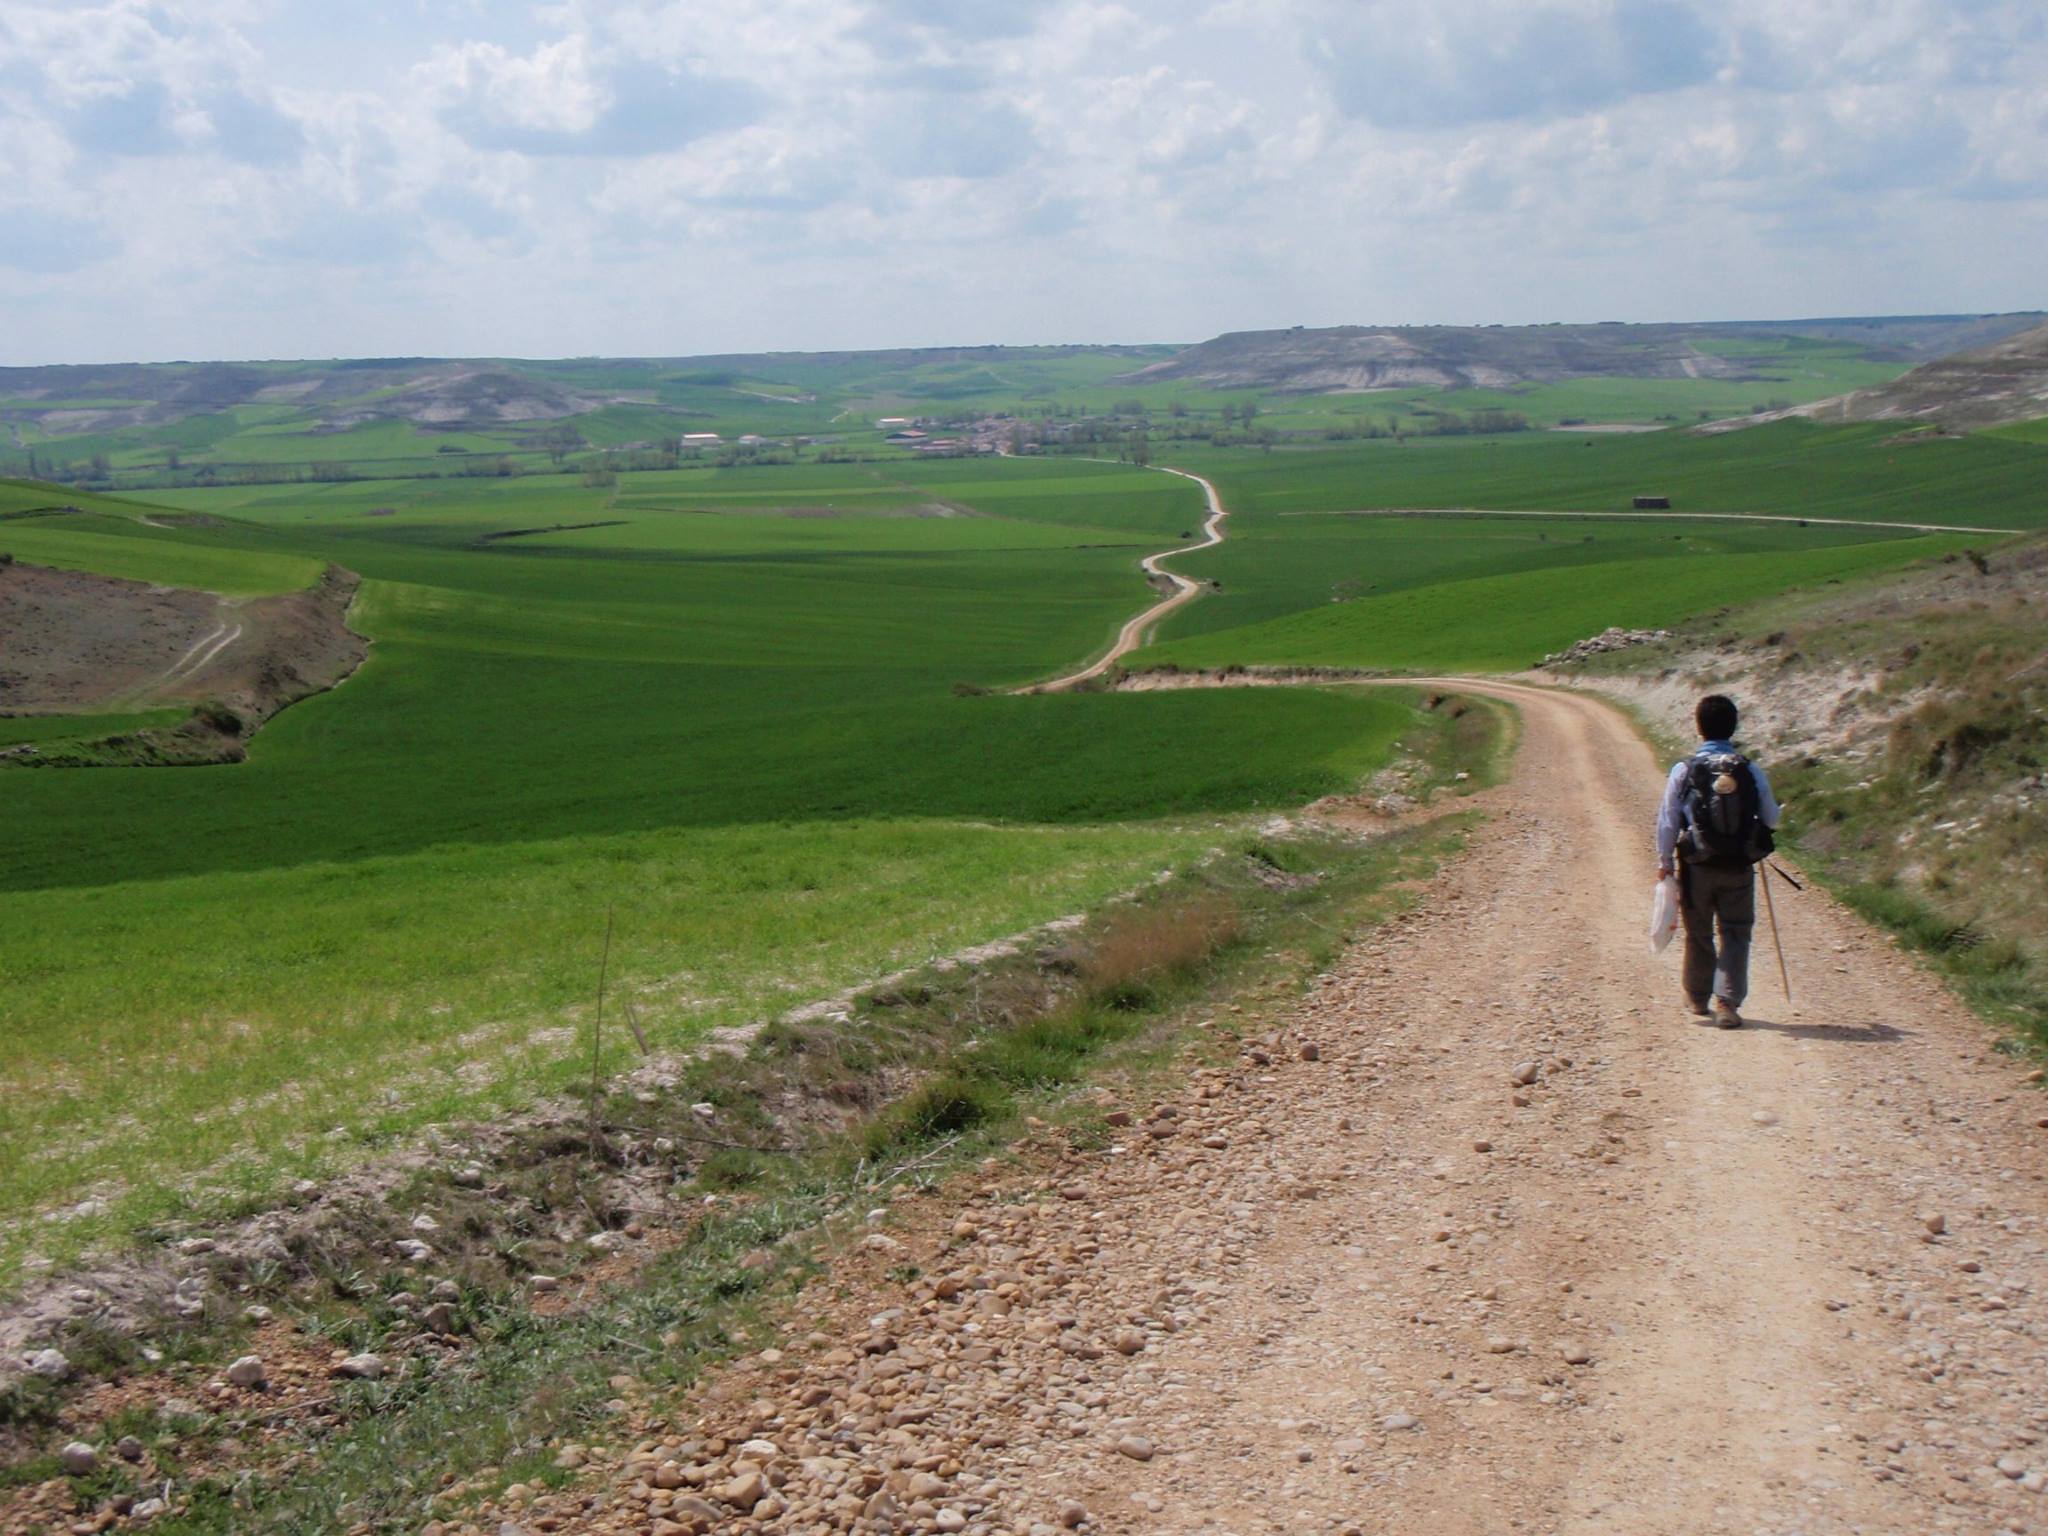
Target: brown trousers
(1717, 896)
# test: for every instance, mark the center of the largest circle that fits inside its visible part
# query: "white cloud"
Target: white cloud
(570, 97)
(1404, 66)
(143, 80)
(797, 173)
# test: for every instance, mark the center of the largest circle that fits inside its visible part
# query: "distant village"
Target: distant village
(925, 435)
(1125, 431)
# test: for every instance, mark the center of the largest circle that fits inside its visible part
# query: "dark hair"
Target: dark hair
(1715, 717)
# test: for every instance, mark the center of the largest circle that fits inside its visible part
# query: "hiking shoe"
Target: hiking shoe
(1698, 1005)
(1725, 1015)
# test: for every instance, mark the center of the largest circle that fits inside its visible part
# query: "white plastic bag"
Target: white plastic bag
(1663, 914)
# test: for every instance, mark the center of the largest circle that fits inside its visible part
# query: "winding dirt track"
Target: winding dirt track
(1688, 1286)
(1790, 1279)
(1185, 589)
(1732, 1226)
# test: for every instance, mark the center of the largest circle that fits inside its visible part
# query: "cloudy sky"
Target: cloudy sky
(284, 178)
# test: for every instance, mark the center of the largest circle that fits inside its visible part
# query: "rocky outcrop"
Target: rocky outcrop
(1987, 386)
(1612, 639)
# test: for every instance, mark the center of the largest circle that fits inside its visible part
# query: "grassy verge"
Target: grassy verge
(1470, 743)
(1139, 986)
(1936, 830)
(755, 1165)
(446, 985)
(41, 730)
(1995, 974)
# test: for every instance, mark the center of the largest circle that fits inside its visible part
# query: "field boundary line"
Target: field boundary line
(1653, 517)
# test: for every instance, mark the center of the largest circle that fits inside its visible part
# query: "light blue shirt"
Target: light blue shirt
(1670, 815)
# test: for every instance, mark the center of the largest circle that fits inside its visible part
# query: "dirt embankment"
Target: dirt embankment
(78, 643)
(1853, 675)
(71, 642)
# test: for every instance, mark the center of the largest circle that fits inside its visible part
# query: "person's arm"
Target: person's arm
(1766, 802)
(1668, 818)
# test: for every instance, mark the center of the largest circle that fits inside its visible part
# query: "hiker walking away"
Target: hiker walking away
(1713, 828)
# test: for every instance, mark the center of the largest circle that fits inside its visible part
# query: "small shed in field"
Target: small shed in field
(1653, 503)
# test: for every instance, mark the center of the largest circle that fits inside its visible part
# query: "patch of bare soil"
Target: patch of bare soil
(75, 643)
(71, 642)
(1810, 710)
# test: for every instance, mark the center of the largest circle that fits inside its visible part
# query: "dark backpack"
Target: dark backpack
(1722, 812)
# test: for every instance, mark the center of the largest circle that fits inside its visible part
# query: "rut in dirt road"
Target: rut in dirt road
(1498, 1239)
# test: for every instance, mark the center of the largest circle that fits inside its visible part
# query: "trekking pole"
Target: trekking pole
(1780, 873)
(597, 1031)
(1778, 944)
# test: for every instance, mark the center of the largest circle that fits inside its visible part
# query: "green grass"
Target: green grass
(1273, 567)
(1506, 622)
(1303, 581)
(1791, 468)
(127, 546)
(739, 722)
(2003, 980)
(633, 403)
(287, 442)
(1789, 372)
(740, 729)
(779, 396)
(18, 497)
(1795, 379)
(269, 1023)
(530, 1381)
(15, 730)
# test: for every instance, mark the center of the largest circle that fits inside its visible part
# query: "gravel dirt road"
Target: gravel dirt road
(1185, 590)
(1487, 1235)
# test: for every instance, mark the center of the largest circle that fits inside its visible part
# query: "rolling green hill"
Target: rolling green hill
(1494, 623)
(727, 718)
(757, 712)
(1320, 570)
